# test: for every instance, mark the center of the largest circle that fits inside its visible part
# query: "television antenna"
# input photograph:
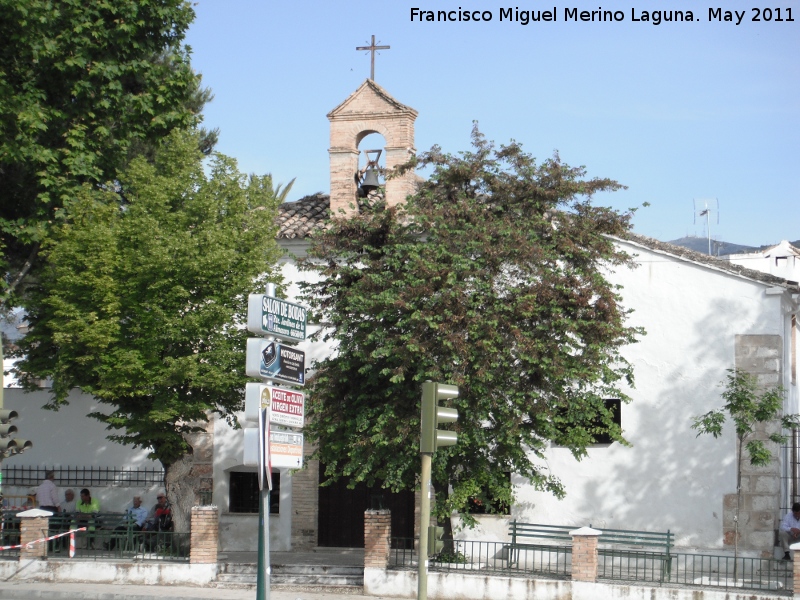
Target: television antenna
(703, 207)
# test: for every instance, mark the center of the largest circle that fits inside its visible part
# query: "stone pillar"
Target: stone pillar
(584, 554)
(33, 525)
(377, 538)
(759, 514)
(205, 535)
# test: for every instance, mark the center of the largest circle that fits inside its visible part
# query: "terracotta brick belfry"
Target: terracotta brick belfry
(370, 109)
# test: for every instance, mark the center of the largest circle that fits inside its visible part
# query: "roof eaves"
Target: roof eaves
(708, 261)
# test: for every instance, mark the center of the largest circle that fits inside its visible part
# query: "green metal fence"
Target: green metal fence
(727, 572)
(9, 536)
(123, 544)
(485, 557)
(689, 570)
(634, 565)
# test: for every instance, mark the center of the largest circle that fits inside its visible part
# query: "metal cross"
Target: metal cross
(372, 48)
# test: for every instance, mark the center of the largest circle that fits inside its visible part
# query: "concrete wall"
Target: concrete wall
(122, 572)
(460, 585)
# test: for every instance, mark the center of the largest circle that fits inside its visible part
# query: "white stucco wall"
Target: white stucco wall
(67, 438)
(669, 478)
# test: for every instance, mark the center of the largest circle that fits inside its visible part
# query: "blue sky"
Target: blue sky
(678, 112)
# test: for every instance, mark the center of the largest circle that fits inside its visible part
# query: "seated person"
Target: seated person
(135, 517)
(789, 532)
(160, 517)
(86, 509)
(159, 520)
(69, 504)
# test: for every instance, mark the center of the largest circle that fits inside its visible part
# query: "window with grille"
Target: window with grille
(244, 493)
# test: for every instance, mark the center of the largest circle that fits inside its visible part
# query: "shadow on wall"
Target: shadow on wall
(68, 437)
(672, 479)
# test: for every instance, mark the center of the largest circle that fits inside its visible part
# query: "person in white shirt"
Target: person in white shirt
(789, 532)
(47, 493)
(69, 501)
(135, 517)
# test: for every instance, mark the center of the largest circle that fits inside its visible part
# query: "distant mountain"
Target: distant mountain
(700, 244)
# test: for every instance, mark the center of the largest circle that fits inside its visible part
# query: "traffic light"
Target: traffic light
(430, 437)
(7, 444)
(435, 541)
(20, 445)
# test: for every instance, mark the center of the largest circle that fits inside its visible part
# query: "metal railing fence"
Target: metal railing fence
(140, 545)
(27, 476)
(486, 557)
(633, 565)
(726, 572)
(691, 570)
(108, 535)
(9, 536)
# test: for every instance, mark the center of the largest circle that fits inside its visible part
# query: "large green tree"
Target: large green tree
(84, 87)
(491, 277)
(140, 301)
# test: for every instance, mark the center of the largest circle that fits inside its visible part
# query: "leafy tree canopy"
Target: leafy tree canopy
(492, 277)
(84, 86)
(141, 304)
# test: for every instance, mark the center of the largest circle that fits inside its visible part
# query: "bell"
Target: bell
(370, 181)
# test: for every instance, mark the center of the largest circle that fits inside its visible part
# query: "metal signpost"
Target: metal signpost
(268, 447)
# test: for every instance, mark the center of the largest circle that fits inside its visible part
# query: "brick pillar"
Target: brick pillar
(205, 535)
(33, 525)
(377, 538)
(584, 554)
(796, 570)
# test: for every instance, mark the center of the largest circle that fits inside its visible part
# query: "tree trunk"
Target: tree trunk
(180, 491)
(446, 524)
(191, 476)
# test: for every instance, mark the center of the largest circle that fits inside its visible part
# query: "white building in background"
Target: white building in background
(702, 316)
(781, 260)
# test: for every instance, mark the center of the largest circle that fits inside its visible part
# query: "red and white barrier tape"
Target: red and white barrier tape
(70, 533)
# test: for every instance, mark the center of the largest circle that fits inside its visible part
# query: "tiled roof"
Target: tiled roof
(711, 261)
(300, 219)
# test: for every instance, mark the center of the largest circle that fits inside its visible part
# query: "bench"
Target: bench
(521, 533)
(102, 529)
(636, 545)
(612, 543)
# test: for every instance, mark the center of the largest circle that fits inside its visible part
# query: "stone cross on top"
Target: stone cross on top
(371, 49)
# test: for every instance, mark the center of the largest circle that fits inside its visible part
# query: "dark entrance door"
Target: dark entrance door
(341, 512)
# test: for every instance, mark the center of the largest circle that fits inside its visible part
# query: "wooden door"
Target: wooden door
(341, 512)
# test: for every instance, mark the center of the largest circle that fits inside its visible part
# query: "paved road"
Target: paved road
(80, 591)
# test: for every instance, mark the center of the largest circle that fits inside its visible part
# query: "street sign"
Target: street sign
(286, 407)
(286, 449)
(256, 451)
(271, 316)
(271, 360)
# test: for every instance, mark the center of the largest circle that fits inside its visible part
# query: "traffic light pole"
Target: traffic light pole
(2, 387)
(424, 521)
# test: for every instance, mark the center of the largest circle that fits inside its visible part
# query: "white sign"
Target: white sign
(286, 407)
(286, 449)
